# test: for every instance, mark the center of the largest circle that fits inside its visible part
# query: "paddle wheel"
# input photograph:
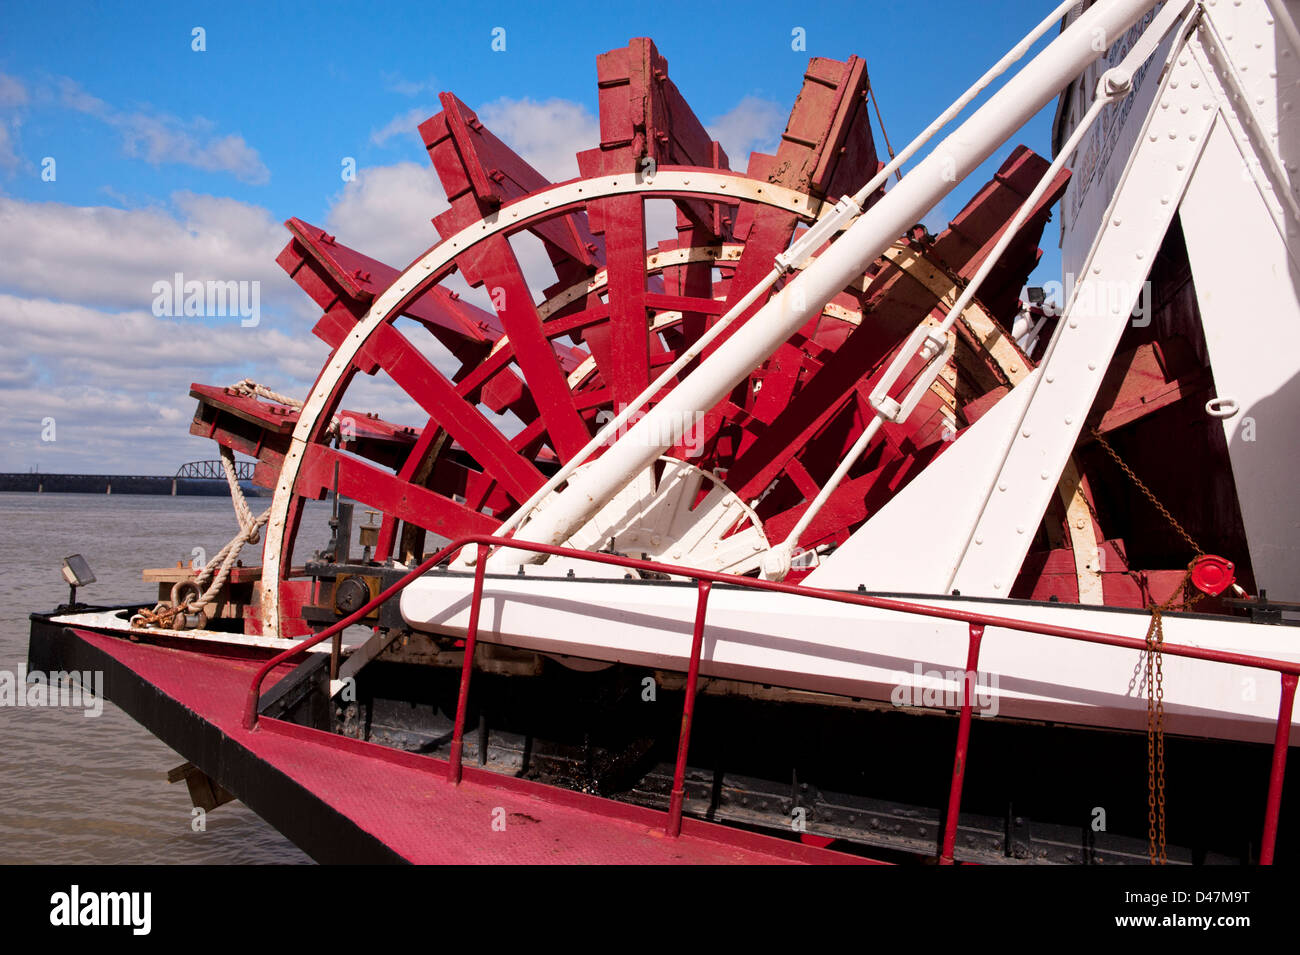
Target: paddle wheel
(510, 392)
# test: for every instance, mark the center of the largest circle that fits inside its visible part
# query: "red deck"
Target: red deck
(406, 802)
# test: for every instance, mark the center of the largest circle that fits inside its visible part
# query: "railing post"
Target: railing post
(688, 713)
(1280, 741)
(963, 743)
(471, 641)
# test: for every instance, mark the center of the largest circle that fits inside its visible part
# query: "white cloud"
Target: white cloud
(406, 87)
(548, 135)
(117, 384)
(385, 212)
(12, 91)
(107, 257)
(403, 124)
(160, 138)
(9, 160)
(76, 285)
(752, 125)
(12, 94)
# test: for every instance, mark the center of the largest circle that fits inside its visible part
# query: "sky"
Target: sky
(127, 156)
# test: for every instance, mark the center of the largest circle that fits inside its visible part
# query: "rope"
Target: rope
(880, 120)
(217, 570)
(253, 389)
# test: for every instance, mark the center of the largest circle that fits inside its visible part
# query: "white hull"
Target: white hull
(790, 641)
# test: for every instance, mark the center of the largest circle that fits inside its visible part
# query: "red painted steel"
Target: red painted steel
(688, 712)
(466, 670)
(1277, 771)
(404, 800)
(963, 745)
(1288, 669)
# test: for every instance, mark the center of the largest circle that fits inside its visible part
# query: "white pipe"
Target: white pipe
(846, 259)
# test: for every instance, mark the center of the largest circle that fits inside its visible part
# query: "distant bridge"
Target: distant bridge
(213, 471)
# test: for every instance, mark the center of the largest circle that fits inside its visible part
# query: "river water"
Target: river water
(79, 790)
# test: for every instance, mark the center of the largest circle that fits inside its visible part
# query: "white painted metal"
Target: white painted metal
(109, 620)
(1103, 158)
(1247, 288)
(793, 641)
(663, 517)
(1085, 340)
(958, 155)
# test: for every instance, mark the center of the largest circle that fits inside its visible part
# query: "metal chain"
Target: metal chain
(1155, 674)
(1173, 522)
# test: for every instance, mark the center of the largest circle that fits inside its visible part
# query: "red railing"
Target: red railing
(977, 622)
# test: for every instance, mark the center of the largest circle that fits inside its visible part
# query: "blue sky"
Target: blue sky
(171, 159)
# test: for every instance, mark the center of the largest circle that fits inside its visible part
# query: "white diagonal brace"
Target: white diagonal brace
(1099, 310)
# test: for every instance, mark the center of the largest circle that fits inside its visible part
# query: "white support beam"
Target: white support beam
(1149, 192)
